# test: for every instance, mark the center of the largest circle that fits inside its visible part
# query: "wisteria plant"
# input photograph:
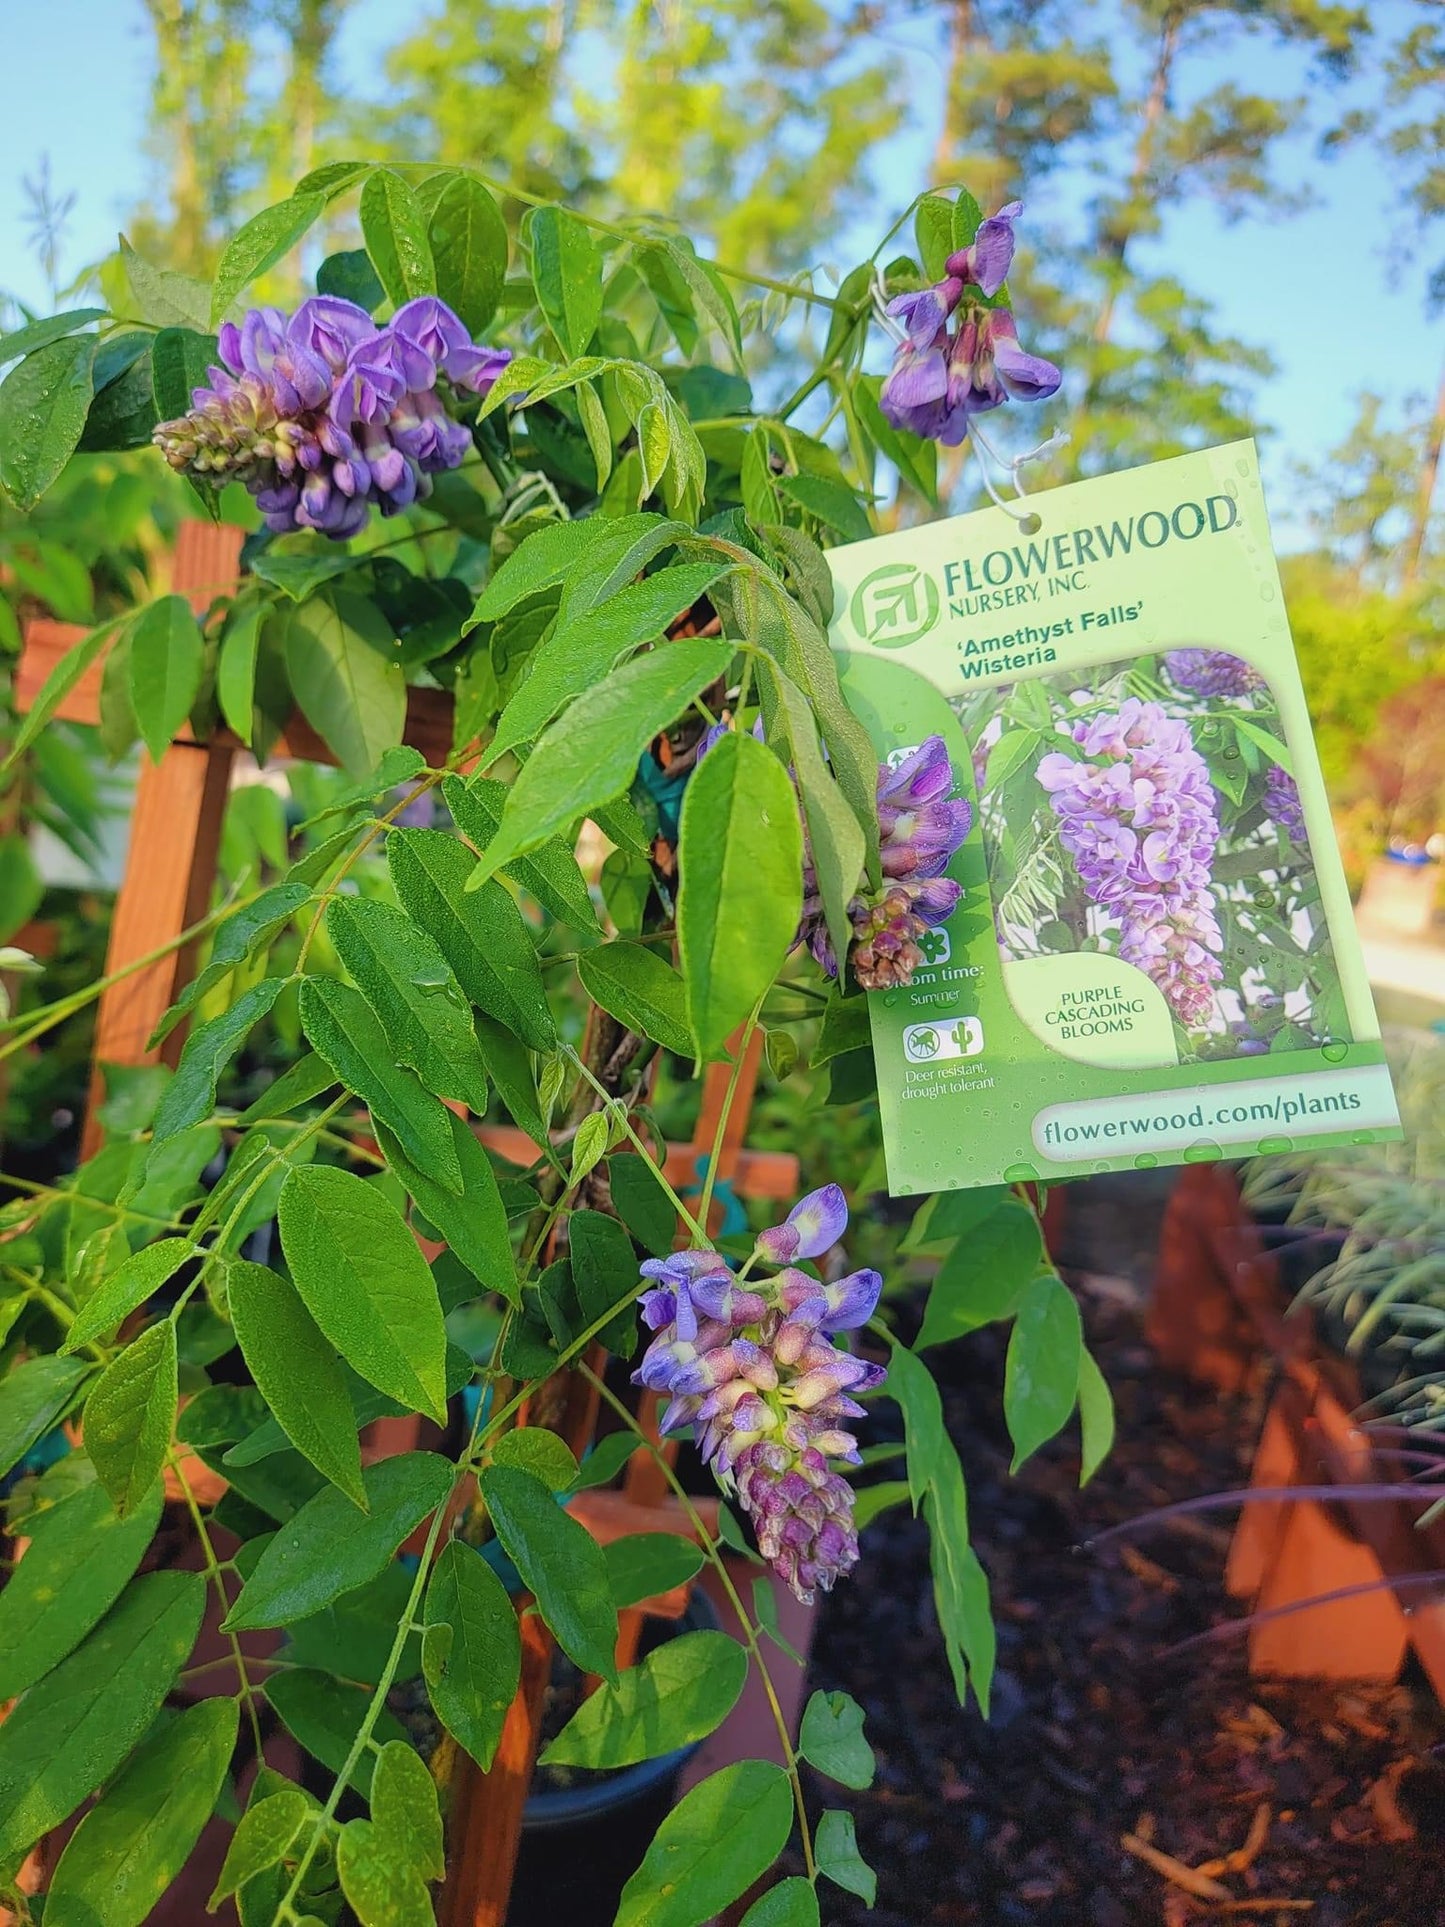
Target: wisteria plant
(509, 455)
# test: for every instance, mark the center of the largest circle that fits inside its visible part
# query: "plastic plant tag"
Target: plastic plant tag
(1154, 959)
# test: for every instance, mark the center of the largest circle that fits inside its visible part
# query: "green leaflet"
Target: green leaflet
(259, 245)
(1041, 1376)
(366, 1284)
(643, 1564)
(81, 1557)
(166, 657)
(550, 874)
(340, 655)
(474, 1225)
(589, 754)
(604, 1270)
(33, 1397)
(642, 1204)
(741, 863)
(43, 405)
(297, 1372)
(640, 988)
(240, 937)
(831, 1739)
(468, 240)
(129, 1414)
(135, 1840)
(480, 932)
(327, 1550)
(567, 274)
(714, 1844)
(555, 554)
(263, 1835)
(394, 228)
(681, 1692)
(836, 1846)
(471, 1650)
(190, 1096)
(561, 1565)
(580, 653)
(126, 1290)
(180, 359)
(409, 984)
(985, 1274)
(349, 1037)
(1096, 1415)
(70, 1732)
(792, 1903)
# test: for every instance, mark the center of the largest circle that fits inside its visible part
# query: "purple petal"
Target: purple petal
(852, 1300)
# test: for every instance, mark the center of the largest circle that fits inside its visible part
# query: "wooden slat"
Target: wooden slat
(755, 1174)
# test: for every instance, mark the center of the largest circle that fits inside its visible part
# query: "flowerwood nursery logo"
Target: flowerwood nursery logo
(894, 606)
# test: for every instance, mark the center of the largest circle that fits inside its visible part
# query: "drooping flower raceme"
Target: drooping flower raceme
(1211, 672)
(323, 413)
(749, 1362)
(921, 825)
(960, 357)
(1137, 815)
(1282, 803)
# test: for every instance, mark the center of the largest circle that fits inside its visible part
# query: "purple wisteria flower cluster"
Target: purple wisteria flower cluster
(748, 1361)
(323, 413)
(1141, 825)
(1211, 672)
(961, 357)
(921, 826)
(1282, 803)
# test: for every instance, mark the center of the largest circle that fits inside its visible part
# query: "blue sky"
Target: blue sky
(1314, 290)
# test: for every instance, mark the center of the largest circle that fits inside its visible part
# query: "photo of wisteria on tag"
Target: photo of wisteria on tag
(1146, 811)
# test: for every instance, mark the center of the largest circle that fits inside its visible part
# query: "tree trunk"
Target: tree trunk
(1425, 493)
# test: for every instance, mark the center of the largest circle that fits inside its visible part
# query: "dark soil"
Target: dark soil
(1097, 1730)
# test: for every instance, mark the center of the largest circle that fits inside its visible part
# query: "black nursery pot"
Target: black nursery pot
(582, 1844)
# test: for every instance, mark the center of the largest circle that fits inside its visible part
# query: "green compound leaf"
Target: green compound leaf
(550, 874)
(741, 863)
(81, 1557)
(129, 1414)
(366, 1284)
(471, 1653)
(131, 1845)
(327, 1549)
(719, 1839)
(71, 1731)
(681, 1692)
(561, 1565)
(297, 1372)
(325, 1715)
(474, 1225)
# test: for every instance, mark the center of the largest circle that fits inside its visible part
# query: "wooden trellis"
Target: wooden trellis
(167, 887)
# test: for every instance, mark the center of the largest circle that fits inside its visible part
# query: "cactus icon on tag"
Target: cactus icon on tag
(932, 1043)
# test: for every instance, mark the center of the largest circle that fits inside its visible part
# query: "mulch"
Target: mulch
(1329, 1796)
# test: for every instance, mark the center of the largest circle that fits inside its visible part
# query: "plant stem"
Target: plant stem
(713, 1553)
(651, 1162)
(734, 1078)
(213, 1573)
